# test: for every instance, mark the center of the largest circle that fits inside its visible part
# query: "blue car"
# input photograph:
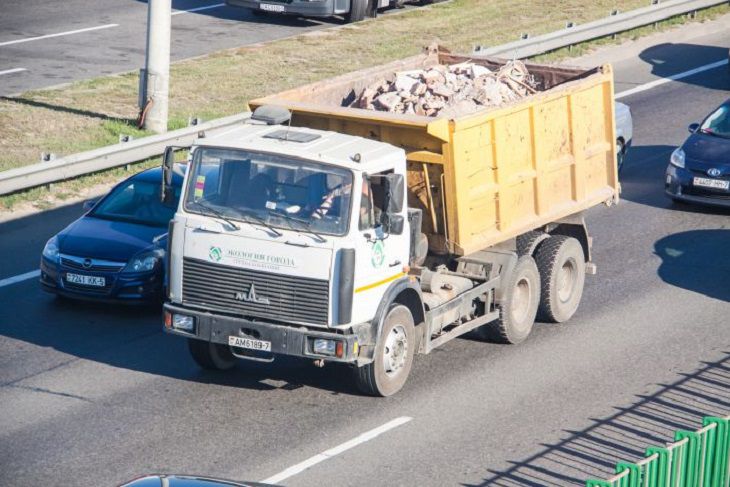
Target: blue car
(116, 251)
(699, 170)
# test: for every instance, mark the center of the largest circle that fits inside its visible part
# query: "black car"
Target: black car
(187, 481)
(699, 170)
(116, 251)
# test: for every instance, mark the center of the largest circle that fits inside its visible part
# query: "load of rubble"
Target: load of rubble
(452, 90)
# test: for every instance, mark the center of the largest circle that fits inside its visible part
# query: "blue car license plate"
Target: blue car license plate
(85, 280)
(711, 183)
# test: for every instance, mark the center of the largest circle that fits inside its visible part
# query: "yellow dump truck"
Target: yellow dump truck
(342, 234)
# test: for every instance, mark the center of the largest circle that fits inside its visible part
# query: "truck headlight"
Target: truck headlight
(175, 321)
(677, 158)
(183, 322)
(323, 346)
(144, 262)
(50, 251)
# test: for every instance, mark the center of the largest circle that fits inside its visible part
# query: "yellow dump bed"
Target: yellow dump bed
(489, 176)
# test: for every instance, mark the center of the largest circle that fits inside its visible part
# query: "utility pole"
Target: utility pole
(154, 78)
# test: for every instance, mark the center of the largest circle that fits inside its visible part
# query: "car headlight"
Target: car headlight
(50, 251)
(144, 262)
(677, 158)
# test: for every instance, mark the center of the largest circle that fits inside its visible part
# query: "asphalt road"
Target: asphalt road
(41, 46)
(93, 395)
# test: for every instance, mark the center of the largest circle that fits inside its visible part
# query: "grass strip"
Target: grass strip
(93, 113)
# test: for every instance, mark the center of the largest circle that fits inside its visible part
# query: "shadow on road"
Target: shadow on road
(642, 177)
(669, 59)
(131, 338)
(60, 108)
(684, 254)
(624, 436)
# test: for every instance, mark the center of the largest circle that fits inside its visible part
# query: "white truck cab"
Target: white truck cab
(279, 246)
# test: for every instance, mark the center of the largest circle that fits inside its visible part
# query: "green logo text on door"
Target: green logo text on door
(378, 254)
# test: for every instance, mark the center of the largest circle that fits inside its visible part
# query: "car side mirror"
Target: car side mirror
(167, 193)
(693, 127)
(88, 205)
(393, 224)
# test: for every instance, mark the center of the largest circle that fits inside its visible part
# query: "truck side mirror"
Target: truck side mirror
(393, 224)
(693, 127)
(167, 193)
(394, 193)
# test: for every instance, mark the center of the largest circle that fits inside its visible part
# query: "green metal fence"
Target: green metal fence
(695, 459)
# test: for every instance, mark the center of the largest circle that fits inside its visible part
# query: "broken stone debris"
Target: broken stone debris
(452, 90)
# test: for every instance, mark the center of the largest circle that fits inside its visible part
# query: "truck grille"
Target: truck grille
(290, 298)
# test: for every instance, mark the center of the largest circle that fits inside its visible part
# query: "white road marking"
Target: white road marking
(674, 77)
(198, 9)
(19, 278)
(68, 33)
(367, 436)
(14, 70)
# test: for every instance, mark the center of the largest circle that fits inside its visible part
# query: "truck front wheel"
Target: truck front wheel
(521, 297)
(394, 351)
(562, 266)
(211, 356)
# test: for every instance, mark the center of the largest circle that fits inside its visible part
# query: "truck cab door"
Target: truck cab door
(380, 255)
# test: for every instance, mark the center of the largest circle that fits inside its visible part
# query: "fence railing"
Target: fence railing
(695, 459)
(613, 24)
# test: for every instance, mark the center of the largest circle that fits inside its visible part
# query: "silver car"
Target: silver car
(624, 132)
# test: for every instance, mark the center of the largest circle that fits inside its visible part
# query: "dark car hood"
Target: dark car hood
(105, 239)
(704, 151)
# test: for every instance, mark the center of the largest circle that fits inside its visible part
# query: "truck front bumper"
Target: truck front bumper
(285, 340)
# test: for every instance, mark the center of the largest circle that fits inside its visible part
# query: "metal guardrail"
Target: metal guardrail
(138, 150)
(108, 157)
(615, 23)
(695, 459)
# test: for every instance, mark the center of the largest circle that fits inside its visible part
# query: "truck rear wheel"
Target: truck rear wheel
(358, 11)
(562, 266)
(211, 356)
(394, 351)
(518, 308)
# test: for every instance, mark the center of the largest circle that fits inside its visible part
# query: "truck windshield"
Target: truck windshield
(269, 189)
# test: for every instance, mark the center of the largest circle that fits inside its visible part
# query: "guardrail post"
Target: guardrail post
(690, 458)
(155, 77)
(718, 452)
(657, 471)
(634, 477)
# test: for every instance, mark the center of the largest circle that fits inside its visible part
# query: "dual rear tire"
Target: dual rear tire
(547, 287)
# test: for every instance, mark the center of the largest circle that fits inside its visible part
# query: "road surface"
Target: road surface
(94, 395)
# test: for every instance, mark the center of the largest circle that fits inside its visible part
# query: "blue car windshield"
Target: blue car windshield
(718, 123)
(136, 201)
(269, 189)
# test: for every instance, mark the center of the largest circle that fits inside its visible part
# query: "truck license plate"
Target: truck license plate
(271, 8)
(711, 183)
(250, 343)
(85, 280)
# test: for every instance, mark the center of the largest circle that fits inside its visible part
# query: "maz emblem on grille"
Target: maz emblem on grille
(251, 297)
